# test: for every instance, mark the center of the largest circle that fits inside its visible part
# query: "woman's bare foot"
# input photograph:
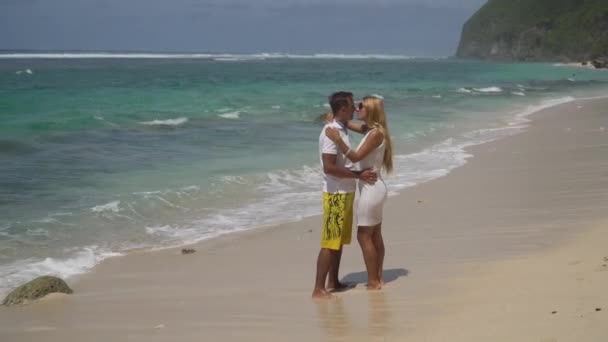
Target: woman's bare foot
(322, 294)
(374, 286)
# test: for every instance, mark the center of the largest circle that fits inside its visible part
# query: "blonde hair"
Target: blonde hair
(374, 105)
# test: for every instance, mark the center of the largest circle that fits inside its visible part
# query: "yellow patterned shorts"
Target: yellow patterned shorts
(337, 220)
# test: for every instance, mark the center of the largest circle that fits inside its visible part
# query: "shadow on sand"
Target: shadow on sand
(389, 275)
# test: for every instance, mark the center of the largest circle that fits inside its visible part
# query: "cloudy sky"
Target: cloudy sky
(411, 27)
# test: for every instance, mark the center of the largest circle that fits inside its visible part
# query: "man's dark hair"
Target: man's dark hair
(339, 100)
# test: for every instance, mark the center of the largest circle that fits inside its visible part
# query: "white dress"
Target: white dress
(371, 196)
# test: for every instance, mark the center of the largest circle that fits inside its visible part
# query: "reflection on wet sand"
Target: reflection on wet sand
(345, 318)
(379, 315)
(333, 319)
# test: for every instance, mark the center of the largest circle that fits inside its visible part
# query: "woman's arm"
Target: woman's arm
(357, 127)
(374, 139)
(353, 126)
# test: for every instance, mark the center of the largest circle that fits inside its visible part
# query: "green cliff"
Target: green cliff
(537, 30)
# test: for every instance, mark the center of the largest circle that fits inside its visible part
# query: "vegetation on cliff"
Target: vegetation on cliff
(537, 30)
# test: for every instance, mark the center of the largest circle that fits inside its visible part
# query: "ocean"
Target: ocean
(101, 154)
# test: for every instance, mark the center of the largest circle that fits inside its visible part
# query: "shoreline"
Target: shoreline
(578, 65)
(238, 280)
(178, 195)
(517, 122)
(583, 65)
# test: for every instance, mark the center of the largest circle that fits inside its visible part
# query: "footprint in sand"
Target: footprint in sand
(40, 328)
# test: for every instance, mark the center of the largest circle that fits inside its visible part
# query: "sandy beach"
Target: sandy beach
(509, 247)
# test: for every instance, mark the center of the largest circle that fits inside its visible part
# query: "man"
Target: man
(339, 185)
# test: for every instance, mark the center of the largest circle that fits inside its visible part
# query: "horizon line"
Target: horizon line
(16, 54)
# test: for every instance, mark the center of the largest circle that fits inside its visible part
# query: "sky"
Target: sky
(428, 28)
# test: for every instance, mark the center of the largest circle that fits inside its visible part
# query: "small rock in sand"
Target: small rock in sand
(420, 201)
(605, 258)
(553, 312)
(310, 230)
(598, 309)
(188, 251)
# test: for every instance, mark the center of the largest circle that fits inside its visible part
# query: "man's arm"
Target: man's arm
(330, 168)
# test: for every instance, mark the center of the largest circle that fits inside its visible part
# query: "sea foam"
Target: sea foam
(488, 90)
(113, 206)
(464, 90)
(230, 115)
(166, 122)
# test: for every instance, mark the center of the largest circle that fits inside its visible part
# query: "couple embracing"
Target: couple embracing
(343, 166)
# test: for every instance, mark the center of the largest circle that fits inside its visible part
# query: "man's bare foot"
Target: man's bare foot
(322, 294)
(336, 285)
(340, 287)
(374, 286)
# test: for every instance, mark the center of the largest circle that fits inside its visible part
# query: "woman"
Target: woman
(374, 151)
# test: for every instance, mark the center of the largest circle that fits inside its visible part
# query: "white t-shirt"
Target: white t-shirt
(333, 184)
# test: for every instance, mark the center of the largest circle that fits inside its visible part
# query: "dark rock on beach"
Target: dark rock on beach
(188, 251)
(600, 63)
(36, 289)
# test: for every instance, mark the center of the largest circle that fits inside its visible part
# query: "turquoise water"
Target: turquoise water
(99, 156)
